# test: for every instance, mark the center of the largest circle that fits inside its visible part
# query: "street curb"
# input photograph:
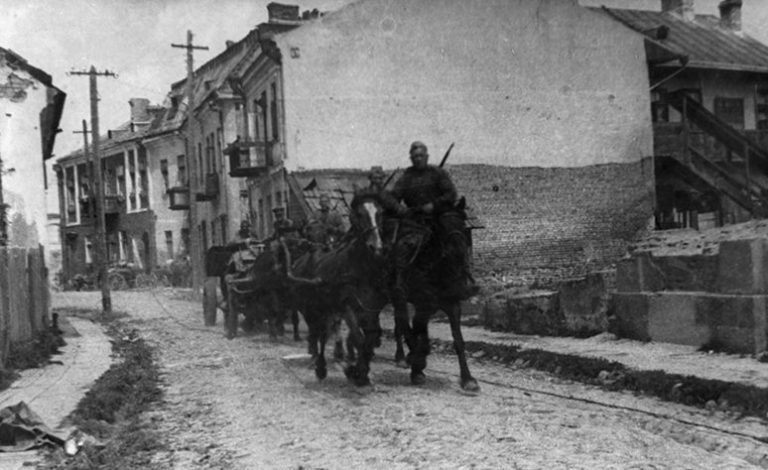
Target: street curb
(748, 400)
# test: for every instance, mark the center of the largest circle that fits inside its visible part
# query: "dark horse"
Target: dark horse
(326, 285)
(431, 281)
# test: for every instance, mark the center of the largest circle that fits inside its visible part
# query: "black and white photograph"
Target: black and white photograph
(383, 234)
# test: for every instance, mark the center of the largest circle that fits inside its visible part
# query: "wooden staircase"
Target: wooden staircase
(743, 177)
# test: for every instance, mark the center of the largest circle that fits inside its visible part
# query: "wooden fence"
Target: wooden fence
(24, 296)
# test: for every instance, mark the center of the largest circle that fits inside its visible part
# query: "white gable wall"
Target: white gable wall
(512, 82)
(21, 151)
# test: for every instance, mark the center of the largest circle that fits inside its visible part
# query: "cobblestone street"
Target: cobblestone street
(255, 403)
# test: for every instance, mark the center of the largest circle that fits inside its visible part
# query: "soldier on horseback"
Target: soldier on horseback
(430, 200)
(329, 221)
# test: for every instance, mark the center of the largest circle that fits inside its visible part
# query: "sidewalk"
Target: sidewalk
(637, 355)
(53, 391)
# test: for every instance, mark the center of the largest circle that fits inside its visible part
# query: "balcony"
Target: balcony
(249, 159)
(179, 198)
(210, 190)
(113, 203)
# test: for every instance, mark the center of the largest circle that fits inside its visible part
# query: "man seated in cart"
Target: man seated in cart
(246, 247)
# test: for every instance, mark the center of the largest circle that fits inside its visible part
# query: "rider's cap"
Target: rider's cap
(418, 144)
(278, 209)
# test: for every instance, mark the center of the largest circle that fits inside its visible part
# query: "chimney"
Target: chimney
(730, 15)
(139, 109)
(278, 12)
(683, 8)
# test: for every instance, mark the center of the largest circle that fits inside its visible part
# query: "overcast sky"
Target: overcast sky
(133, 39)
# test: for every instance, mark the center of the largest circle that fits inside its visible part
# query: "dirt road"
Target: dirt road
(247, 404)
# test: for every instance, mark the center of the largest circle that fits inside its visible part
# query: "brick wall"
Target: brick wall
(547, 224)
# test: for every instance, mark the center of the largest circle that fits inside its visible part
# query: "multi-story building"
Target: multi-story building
(709, 98)
(136, 163)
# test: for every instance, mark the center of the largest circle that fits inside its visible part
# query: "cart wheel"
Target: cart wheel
(210, 301)
(145, 281)
(116, 282)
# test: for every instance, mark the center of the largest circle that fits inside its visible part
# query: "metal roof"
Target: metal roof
(705, 43)
(339, 185)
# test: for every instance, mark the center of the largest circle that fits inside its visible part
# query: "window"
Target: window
(200, 171)
(185, 240)
(219, 153)
(761, 109)
(169, 244)
(210, 153)
(730, 110)
(143, 182)
(71, 195)
(109, 168)
(120, 171)
(264, 113)
(126, 254)
(181, 170)
(256, 121)
(113, 249)
(132, 196)
(164, 173)
(273, 110)
(88, 249)
(84, 191)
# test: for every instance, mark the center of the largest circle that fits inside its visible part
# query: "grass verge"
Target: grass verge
(109, 417)
(743, 399)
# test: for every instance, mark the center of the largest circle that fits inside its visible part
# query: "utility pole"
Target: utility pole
(195, 253)
(101, 244)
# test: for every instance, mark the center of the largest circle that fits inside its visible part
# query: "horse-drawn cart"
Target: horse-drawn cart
(228, 270)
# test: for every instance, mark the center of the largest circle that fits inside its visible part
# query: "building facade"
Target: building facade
(31, 110)
(546, 101)
(140, 229)
(709, 104)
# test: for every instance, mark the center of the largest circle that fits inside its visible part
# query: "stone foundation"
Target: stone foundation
(718, 301)
(577, 308)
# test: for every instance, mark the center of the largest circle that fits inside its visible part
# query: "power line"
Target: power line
(95, 162)
(194, 236)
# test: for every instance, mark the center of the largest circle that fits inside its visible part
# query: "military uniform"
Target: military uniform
(332, 223)
(327, 226)
(284, 227)
(418, 187)
(421, 188)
